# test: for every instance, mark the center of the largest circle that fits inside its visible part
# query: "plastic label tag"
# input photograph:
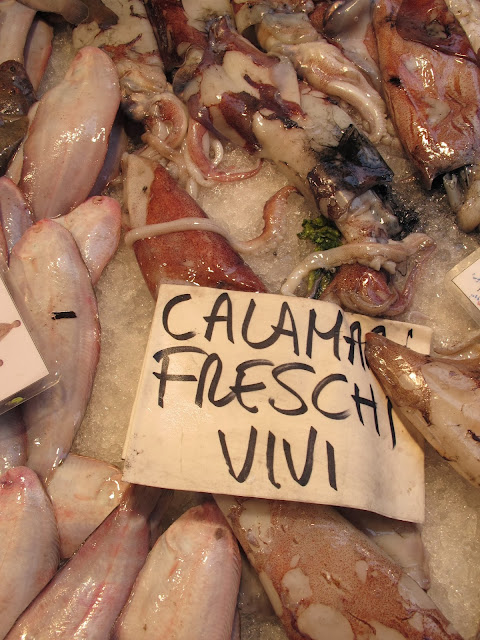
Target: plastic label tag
(21, 366)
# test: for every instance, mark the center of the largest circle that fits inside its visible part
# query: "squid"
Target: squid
(324, 67)
(402, 541)
(194, 257)
(325, 579)
(439, 397)
(431, 82)
(347, 23)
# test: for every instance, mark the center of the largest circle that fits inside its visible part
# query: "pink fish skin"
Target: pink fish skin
(15, 216)
(83, 492)
(28, 543)
(95, 226)
(52, 279)
(188, 588)
(15, 23)
(38, 49)
(68, 138)
(84, 598)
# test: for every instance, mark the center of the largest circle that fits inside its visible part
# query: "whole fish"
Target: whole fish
(188, 588)
(68, 138)
(15, 22)
(95, 226)
(28, 543)
(84, 492)
(86, 595)
(52, 279)
(38, 48)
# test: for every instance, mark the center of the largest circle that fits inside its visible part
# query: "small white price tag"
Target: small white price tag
(464, 282)
(21, 365)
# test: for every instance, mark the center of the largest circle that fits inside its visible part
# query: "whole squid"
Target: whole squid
(440, 398)
(197, 257)
(325, 579)
(431, 83)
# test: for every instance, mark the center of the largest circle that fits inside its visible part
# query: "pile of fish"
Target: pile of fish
(297, 85)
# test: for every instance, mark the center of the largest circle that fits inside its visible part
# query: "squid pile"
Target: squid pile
(295, 148)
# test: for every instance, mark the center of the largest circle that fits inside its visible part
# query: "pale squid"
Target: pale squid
(325, 579)
(439, 397)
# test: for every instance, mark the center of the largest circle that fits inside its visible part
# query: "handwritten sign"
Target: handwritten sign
(21, 365)
(465, 278)
(271, 396)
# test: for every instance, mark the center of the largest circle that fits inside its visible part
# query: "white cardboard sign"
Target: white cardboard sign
(21, 365)
(270, 396)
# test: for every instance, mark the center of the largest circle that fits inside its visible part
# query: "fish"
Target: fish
(13, 441)
(84, 598)
(68, 138)
(15, 216)
(16, 91)
(189, 584)
(95, 225)
(15, 22)
(53, 280)
(83, 491)
(28, 543)
(441, 398)
(38, 49)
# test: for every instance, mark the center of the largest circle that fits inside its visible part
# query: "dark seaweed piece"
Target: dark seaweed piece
(16, 91)
(12, 132)
(431, 23)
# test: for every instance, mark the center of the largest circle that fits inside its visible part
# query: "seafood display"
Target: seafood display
(323, 149)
